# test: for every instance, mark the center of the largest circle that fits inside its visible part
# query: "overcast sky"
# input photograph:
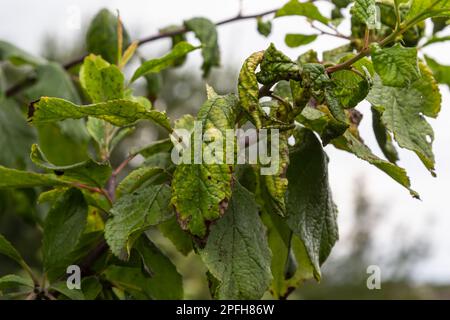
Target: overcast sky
(25, 23)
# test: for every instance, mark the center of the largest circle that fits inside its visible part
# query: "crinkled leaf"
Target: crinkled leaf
(118, 112)
(305, 9)
(350, 88)
(135, 212)
(311, 212)
(366, 12)
(248, 88)
(89, 172)
(102, 37)
(237, 253)
(200, 192)
(205, 30)
(273, 186)
(276, 66)
(156, 65)
(294, 40)
(63, 228)
(403, 111)
(397, 65)
(321, 121)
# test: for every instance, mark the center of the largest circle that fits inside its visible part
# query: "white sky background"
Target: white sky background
(25, 23)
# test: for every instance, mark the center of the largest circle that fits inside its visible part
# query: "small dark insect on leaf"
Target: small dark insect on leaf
(58, 172)
(32, 109)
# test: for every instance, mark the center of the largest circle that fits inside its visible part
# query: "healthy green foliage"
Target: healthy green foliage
(255, 233)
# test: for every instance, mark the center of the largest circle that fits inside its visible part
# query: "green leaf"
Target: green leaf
(63, 228)
(117, 112)
(17, 56)
(135, 212)
(205, 31)
(89, 172)
(156, 65)
(276, 66)
(144, 281)
(273, 186)
(294, 40)
(290, 263)
(264, 27)
(311, 212)
(366, 12)
(350, 143)
(136, 178)
(428, 9)
(180, 238)
(14, 128)
(200, 192)
(383, 137)
(350, 88)
(91, 287)
(11, 178)
(441, 72)
(397, 65)
(72, 294)
(403, 111)
(434, 39)
(176, 39)
(7, 249)
(237, 253)
(101, 80)
(12, 281)
(102, 37)
(248, 88)
(161, 270)
(70, 135)
(336, 54)
(305, 9)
